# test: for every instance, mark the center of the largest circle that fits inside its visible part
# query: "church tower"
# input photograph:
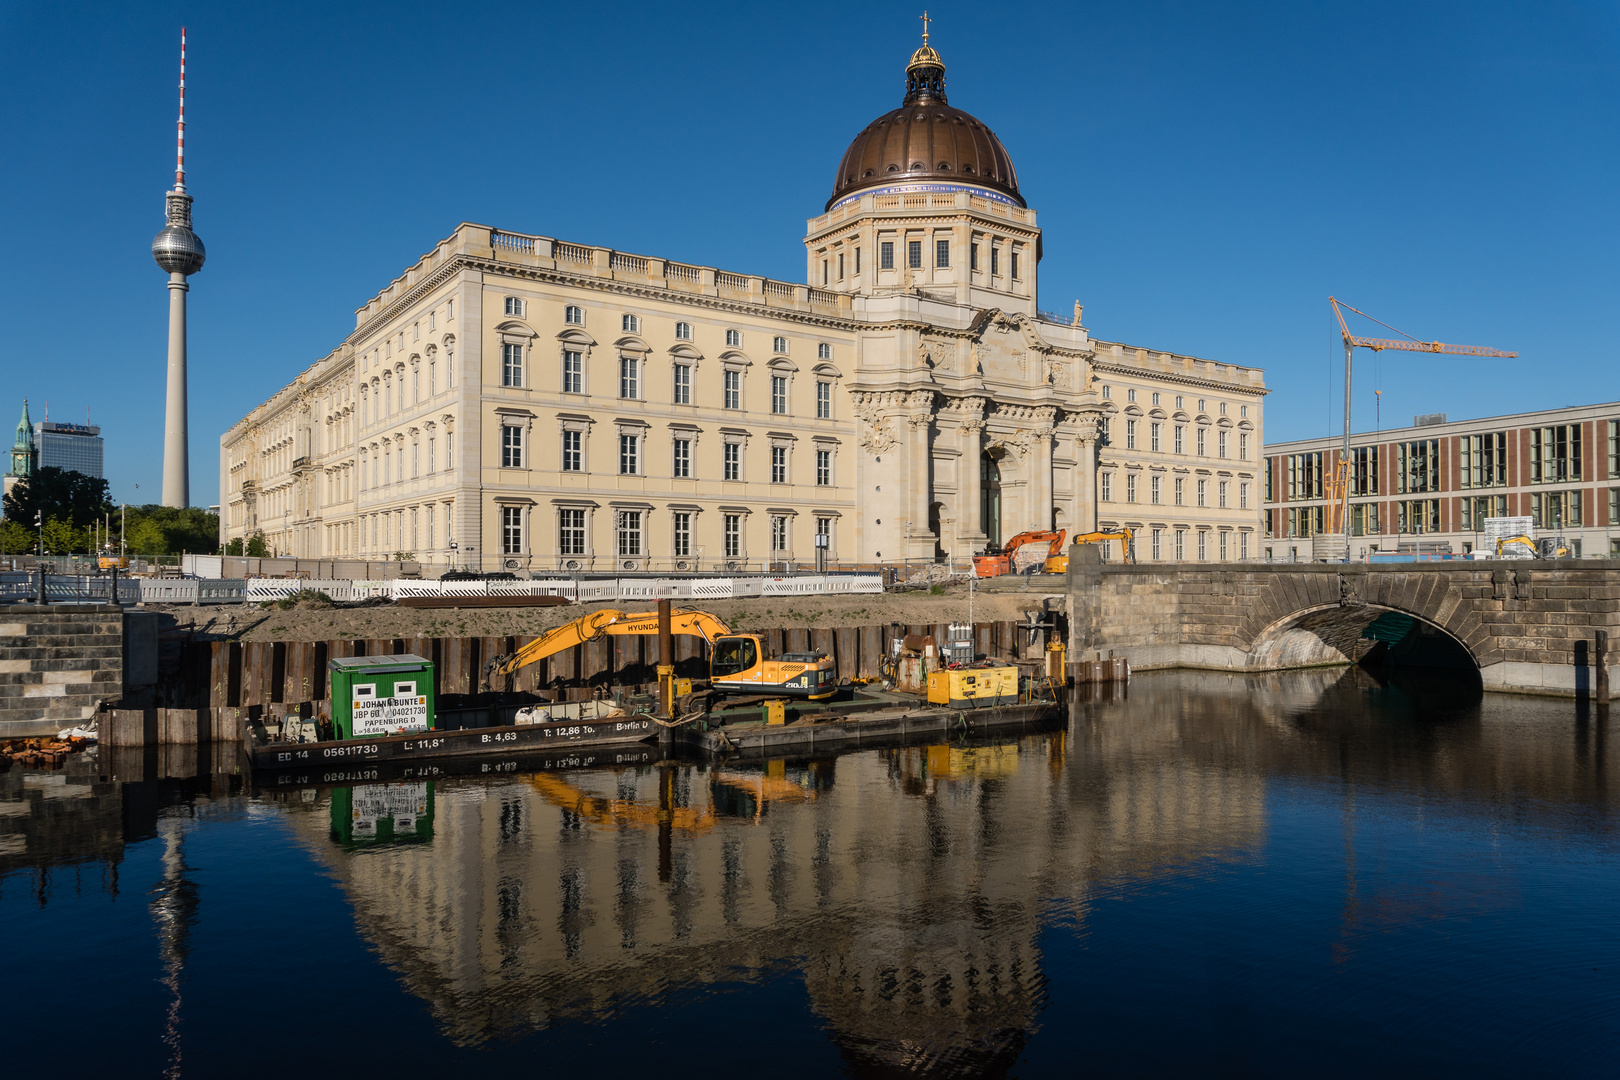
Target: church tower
(179, 251)
(21, 464)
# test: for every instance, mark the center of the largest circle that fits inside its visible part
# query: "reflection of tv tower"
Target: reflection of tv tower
(174, 909)
(178, 250)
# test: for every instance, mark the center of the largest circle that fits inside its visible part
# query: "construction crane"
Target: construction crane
(1338, 483)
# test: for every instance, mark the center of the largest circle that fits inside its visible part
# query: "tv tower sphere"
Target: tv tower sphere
(178, 250)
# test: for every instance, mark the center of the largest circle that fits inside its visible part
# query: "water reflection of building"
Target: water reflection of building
(910, 892)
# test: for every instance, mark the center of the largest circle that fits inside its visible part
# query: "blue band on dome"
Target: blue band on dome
(914, 189)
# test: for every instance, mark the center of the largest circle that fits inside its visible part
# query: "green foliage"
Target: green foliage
(234, 547)
(307, 598)
(257, 547)
(62, 538)
(15, 538)
(936, 590)
(58, 493)
(168, 530)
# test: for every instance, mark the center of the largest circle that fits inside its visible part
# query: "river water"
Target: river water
(1313, 872)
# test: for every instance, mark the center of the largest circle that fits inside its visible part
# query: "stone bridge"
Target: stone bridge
(1532, 626)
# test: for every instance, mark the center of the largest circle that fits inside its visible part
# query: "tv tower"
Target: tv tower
(179, 251)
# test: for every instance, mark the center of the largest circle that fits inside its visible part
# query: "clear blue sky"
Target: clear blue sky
(1206, 175)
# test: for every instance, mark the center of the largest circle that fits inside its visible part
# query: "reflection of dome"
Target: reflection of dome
(178, 250)
(925, 140)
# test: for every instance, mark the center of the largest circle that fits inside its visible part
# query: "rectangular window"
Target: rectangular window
(1220, 444)
(1203, 486)
(1614, 506)
(511, 446)
(840, 266)
(1181, 491)
(415, 460)
(681, 534)
(1130, 487)
(1614, 449)
(1220, 494)
(1223, 547)
(1156, 490)
(629, 455)
(733, 461)
(914, 254)
(1156, 537)
(734, 339)
(1243, 545)
(942, 253)
(1243, 495)
(1181, 438)
(779, 464)
(1243, 446)
(857, 260)
(973, 256)
(886, 255)
(1106, 492)
(1555, 454)
(1417, 466)
(823, 400)
(1364, 519)
(682, 465)
(1014, 265)
(1304, 476)
(433, 378)
(683, 331)
(1130, 434)
(823, 468)
(511, 530)
(514, 306)
(629, 382)
(432, 453)
(1153, 436)
(511, 365)
(733, 535)
(574, 316)
(779, 533)
(995, 260)
(824, 275)
(683, 384)
(573, 372)
(631, 324)
(1203, 544)
(779, 344)
(1482, 459)
(1417, 516)
(570, 532)
(1181, 544)
(573, 458)
(779, 394)
(733, 389)
(628, 532)
(1363, 470)
(1198, 441)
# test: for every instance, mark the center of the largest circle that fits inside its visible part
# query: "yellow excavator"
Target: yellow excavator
(1059, 564)
(1548, 548)
(737, 662)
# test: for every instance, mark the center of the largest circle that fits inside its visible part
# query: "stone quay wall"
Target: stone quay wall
(58, 663)
(1534, 625)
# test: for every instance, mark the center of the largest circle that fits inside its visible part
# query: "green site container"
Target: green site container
(381, 695)
(383, 814)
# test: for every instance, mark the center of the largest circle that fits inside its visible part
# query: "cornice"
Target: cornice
(1181, 378)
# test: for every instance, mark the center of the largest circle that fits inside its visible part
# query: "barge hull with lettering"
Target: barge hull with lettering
(428, 745)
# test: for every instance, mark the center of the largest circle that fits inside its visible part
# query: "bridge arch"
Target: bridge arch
(1358, 632)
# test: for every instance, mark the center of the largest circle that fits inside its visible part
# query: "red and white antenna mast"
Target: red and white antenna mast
(180, 132)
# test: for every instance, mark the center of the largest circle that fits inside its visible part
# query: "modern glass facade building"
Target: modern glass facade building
(68, 446)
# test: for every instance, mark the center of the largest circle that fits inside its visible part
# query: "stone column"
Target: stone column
(922, 479)
(1086, 476)
(1042, 479)
(969, 527)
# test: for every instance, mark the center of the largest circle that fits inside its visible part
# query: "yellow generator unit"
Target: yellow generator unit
(973, 688)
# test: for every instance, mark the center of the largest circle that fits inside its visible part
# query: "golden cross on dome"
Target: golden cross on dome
(924, 18)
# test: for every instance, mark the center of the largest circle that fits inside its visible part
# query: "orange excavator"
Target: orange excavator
(994, 563)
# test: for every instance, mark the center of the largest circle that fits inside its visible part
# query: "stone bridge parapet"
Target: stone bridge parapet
(1527, 625)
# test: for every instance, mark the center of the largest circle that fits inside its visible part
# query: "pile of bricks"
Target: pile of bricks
(40, 753)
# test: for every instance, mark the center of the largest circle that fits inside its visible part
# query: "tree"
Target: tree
(256, 546)
(16, 538)
(234, 547)
(167, 530)
(62, 538)
(58, 493)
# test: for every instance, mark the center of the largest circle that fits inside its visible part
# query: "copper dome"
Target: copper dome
(925, 140)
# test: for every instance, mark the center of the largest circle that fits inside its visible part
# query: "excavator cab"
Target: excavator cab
(734, 657)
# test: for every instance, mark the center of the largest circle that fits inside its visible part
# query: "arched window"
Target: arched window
(574, 316)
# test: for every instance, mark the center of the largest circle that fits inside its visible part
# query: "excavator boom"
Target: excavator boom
(607, 621)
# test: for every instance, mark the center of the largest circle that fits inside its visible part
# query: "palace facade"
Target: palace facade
(513, 401)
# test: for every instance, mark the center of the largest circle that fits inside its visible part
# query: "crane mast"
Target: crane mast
(1338, 484)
